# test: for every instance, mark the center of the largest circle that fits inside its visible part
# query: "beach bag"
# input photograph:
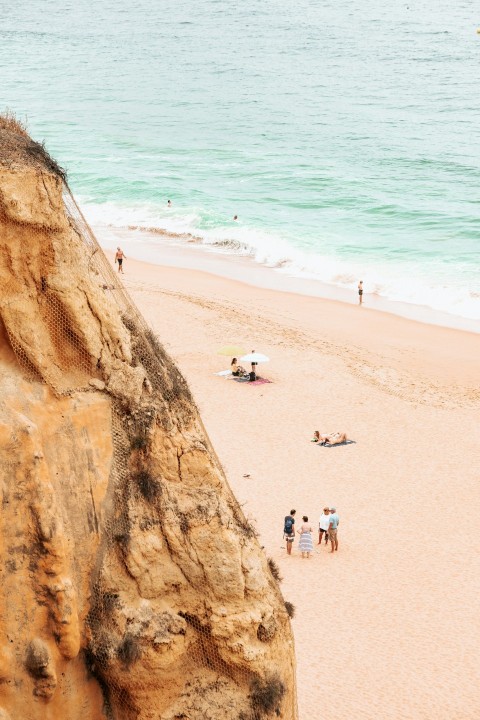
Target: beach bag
(288, 525)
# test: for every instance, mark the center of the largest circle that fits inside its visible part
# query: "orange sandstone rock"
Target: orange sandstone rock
(132, 585)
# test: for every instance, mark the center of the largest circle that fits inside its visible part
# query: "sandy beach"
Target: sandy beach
(388, 626)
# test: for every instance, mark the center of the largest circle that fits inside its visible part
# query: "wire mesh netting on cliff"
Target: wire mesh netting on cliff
(183, 618)
(59, 350)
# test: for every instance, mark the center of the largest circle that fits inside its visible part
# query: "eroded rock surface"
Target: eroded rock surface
(132, 586)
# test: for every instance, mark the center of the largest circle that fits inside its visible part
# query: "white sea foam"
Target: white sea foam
(404, 281)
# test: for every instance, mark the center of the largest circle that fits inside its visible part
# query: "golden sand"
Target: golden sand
(388, 626)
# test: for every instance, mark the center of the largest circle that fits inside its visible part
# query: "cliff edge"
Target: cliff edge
(132, 586)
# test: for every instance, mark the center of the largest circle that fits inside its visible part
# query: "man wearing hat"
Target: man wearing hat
(332, 529)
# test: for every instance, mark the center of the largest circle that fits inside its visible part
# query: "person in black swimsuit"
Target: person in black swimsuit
(119, 257)
(253, 373)
(360, 292)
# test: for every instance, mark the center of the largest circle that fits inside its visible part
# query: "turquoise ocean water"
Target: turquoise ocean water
(345, 134)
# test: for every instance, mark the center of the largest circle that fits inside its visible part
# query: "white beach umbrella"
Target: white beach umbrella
(255, 357)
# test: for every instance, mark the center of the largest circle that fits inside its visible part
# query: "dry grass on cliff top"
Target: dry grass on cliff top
(17, 149)
(9, 122)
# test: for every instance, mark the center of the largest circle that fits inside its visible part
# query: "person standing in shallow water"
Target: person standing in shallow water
(289, 530)
(119, 258)
(360, 292)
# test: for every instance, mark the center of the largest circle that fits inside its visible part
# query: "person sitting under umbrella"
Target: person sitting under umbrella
(236, 369)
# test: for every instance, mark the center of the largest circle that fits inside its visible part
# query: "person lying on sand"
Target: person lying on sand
(334, 438)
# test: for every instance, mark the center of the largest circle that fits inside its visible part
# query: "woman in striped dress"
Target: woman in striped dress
(306, 543)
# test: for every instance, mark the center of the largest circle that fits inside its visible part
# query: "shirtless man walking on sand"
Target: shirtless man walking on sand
(119, 257)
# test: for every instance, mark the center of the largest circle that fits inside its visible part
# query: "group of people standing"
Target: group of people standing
(327, 527)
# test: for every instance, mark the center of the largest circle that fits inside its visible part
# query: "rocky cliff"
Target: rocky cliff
(132, 586)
